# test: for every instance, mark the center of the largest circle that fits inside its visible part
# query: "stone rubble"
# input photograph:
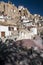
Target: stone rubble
(13, 54)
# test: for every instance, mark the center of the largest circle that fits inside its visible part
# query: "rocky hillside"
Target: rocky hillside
(12, 12)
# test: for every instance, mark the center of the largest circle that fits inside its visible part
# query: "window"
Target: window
(11, 28)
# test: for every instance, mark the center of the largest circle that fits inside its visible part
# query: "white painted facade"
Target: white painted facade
(25, 35)
(25, 21)
(6, 30)
(15, 28)
(28, 24)
(2, 18)
(34, 31)
(20, 7)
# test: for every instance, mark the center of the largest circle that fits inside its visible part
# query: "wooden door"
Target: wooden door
(2, 34)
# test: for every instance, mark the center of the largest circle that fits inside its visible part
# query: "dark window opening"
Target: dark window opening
(11, 28)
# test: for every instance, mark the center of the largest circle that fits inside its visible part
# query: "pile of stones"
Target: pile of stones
(13, 54)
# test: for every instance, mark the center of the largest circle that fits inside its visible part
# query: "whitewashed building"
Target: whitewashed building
(6, 30)
(34, 30)
(7, 26)
(25, 34)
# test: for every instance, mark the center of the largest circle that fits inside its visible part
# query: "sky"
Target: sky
(34, 6)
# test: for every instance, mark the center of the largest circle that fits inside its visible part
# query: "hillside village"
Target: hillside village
(21, 36)
(18, 23)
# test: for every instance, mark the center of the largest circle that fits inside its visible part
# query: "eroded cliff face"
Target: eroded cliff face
(15, 13)
(9, 10)
(12, 11)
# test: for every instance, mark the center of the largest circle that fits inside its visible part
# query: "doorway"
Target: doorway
(2, 34)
